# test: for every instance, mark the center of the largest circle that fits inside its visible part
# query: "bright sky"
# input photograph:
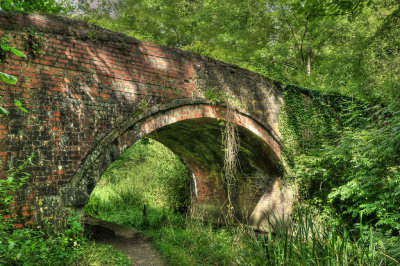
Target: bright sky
(93, 3)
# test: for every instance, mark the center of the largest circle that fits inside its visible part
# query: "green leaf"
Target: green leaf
(8, 199)
(17, 103)
(11, 245)
(3, 111)
(23, 109)
(5, 47)
(8, 78)
(17, 52)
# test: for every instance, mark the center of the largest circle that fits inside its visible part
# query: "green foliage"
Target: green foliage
(215, 96)
(18, 104)
(24, 6)
(98, 254)
(3, 111)
(343, 46)
(34, 43)
(146, 174)
(16, 178)
(33, 247)
(344, 156)
(23, 246)
(311, 119)
(370, 183)
(200, 243)
(304, 241)
(311, 242)
(5, 47)
(10, 79)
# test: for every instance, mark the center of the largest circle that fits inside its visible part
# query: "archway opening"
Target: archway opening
(142, 187)
(198, 151)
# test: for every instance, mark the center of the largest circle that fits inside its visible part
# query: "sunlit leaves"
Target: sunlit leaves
(17, 52)
(8, 48)
(10, 79)
(3, 111)
(19, 106)
(47, 6)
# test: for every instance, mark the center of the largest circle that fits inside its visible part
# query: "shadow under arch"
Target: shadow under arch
(191, 129)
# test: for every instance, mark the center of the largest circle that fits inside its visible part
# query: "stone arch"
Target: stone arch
(78, 89)
(185, 126)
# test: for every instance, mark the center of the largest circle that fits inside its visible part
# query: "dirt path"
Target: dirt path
(131, 242)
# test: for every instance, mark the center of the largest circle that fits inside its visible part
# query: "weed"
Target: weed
(34, 43)
(309, 242)
(214, 96)
(5, 43)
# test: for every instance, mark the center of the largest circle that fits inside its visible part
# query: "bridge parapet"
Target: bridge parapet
(88, 82)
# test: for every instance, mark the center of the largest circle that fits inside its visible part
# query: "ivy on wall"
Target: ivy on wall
(343, 153)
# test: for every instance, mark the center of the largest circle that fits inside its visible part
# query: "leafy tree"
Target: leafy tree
(335, 45)
(345, 46)
(47, 6)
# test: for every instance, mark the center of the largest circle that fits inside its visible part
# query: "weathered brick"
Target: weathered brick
(79, 87)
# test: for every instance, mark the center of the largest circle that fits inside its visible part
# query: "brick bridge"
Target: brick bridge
(92, 93)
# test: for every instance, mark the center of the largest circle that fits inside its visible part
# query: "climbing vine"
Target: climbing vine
(16, 178)
(5, 48)
(34, 43)
(310, 120)
(5, 43)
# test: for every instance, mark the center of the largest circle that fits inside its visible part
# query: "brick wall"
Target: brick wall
(92, 93)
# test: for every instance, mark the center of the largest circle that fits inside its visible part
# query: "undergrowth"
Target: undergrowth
(146, 174)
(344, 156)
(310, 238)
(27, 246)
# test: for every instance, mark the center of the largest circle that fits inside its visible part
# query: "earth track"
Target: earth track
(124, 238)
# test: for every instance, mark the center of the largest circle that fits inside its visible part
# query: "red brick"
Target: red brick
(58, 80)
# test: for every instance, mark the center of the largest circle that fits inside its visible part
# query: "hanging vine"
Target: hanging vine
(231, 151)
(230, 144)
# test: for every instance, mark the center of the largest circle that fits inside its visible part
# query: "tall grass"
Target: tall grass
(307, 242)
(146, 174)
(143, 176)
(303, 242)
